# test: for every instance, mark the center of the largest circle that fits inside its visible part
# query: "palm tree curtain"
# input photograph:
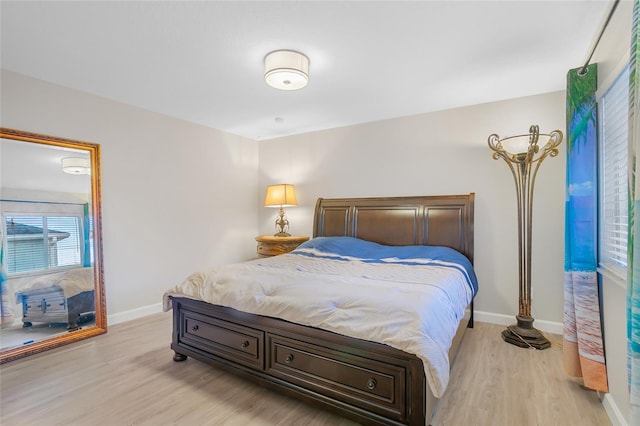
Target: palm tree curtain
(583, 349)
(633, 281)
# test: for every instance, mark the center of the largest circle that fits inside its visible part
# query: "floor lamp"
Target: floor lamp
(524, 155)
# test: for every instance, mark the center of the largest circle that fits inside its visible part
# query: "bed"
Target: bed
(332, 350)
(65, 297)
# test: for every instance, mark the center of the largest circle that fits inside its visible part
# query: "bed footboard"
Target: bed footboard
(368, 382)
(364, 381)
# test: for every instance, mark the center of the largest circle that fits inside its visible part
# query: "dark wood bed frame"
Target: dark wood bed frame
(368, 382)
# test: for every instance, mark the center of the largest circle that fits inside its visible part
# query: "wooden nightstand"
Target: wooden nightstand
(268, 245)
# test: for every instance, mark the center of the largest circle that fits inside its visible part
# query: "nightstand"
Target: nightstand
(268, 245)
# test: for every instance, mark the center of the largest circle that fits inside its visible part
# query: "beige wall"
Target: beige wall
(168, 184)
(439, 153)
(177, 197)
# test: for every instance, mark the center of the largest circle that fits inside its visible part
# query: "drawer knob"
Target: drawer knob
(245, 344)
(371, 384)
(289, 359)
(195, 328)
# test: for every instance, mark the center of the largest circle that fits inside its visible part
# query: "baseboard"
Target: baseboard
(132, 314)
(490, 317)
(542, 325)
(616, 417)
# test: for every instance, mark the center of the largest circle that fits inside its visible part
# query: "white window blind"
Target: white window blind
(613, 128)
(37, 243)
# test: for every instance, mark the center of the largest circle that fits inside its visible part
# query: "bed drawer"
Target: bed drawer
(226, 339)
(360, 381)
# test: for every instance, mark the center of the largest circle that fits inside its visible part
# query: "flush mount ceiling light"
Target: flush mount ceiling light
(76, 166)
(286, 70)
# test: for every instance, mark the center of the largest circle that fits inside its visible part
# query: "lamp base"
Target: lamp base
(282, 234)
(524, 335)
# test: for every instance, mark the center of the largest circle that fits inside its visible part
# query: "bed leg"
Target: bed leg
(470, 324)
(179, 357)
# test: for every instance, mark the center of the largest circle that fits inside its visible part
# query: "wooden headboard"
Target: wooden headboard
(440, 220)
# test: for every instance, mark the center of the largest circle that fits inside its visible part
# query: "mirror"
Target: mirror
(51, 276)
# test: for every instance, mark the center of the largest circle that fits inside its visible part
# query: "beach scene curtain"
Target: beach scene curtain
(633, 281)
(583, 349)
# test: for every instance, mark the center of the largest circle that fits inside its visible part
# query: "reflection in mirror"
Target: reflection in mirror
(51, 276)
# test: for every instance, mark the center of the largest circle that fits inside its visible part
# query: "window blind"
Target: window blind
(613, 127)
(38, 243)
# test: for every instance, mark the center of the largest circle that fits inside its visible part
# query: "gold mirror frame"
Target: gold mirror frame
(98, 267)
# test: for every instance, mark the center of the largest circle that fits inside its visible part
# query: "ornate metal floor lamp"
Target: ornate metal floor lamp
(523, 155)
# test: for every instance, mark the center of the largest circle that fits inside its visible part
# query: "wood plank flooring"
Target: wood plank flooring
(127, 377)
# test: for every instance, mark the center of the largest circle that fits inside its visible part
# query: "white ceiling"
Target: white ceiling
(203, 61)
(38, 167)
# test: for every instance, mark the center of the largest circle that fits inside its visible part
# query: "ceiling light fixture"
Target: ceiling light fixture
(76, 166)
(286, 70)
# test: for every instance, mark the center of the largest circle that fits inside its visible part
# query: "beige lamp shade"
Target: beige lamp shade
(281, 195)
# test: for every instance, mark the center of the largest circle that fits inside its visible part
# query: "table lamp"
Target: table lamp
(281, 195)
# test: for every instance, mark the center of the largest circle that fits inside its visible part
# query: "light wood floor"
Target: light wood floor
(127, 377)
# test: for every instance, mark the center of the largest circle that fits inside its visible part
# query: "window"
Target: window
(613, 129)
(37, 243)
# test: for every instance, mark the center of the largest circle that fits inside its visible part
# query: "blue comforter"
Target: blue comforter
(354, 248)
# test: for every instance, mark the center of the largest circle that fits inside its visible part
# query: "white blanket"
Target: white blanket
(72, 282)
(413, 308)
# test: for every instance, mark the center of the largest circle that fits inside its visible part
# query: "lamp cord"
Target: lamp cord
(554, 343)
